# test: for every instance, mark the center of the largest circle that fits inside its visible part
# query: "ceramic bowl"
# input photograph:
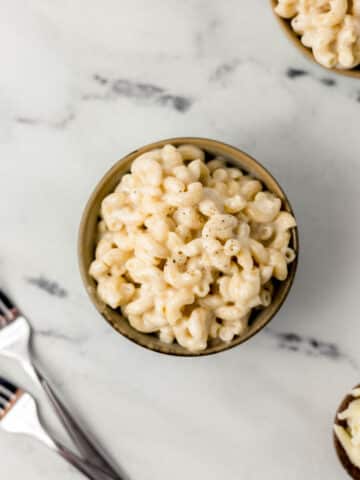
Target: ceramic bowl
(87, 237)
(295, 39)
(351, 469)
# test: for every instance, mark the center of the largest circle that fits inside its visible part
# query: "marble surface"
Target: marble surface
(83, 83)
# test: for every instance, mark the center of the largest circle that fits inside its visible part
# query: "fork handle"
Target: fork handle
(84, 466)
(81, 440)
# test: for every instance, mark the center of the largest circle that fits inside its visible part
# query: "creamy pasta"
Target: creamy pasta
(349, 434)
(187, 248)
(331, 28)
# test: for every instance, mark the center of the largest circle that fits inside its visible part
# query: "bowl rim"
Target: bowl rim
(295, 39)
(87, 211)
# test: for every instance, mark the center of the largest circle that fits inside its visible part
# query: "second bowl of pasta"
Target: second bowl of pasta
(188, 246)
(326, 31)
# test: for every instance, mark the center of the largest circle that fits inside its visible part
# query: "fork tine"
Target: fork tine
(6, 300)
(5, 392)
(7, 315)
(8, 311)
(8, 395)
(4, 400)
(8, 386)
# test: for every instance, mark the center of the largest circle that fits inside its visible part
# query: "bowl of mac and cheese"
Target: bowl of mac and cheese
(326, 31)
(188, 246)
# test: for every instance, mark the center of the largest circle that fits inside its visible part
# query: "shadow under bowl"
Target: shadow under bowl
(87, 243)
(295, 39)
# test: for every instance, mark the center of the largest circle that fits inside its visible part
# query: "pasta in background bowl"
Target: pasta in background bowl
(326, 31)
(179, 242)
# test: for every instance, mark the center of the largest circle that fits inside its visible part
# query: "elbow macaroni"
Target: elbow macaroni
(187, 249)
(331, 28)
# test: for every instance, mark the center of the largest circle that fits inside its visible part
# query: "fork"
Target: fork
(15, 337)
(18, 414)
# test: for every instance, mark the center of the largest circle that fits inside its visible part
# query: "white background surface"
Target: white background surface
(70, 106)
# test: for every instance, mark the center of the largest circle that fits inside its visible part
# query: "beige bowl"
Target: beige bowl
(295, 39)
(87, 236)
